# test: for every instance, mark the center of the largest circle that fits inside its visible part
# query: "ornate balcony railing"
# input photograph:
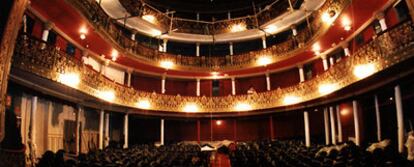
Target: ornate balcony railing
(389, 48)
(106, 25)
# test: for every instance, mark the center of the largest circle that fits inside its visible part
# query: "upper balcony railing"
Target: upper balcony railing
(107, 26)
(386, 50)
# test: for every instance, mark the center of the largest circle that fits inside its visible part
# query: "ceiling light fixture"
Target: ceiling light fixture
(143, 104)
(288, 100)
(83, 31)
(114, 55)
(364, 70)
(167, 64)
(190, 107)
(316, 47)
(150, 18)
(328, 17)
(238, 27)
(264, 60)
(69, 79)
(346, 23)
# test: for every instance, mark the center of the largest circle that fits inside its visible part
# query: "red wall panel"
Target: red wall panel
(205, 88)
(317, 67)
(244, 84)
(225, 87)
(145, 83)
(249, 129)
(285, 78)
(174, 87)
(180, 130)
(288, 125)
(391, 17)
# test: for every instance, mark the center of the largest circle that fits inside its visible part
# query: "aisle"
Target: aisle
(219, 160)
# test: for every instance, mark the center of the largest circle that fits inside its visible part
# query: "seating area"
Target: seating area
(263, 153)
(176, 155)
(294, 153)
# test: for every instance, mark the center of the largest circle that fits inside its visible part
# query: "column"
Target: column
(326, 123)
(129, 77)
(231, 48)
(198, 131)
(333, 130)
(164, 45)
(268, 86)
(272, 133)
(103, 67)
(346, 49)
(381, 20)
(331, 61)
(198, 91)
(356, 122)
(198, 49)
(378, 118)
(101, 128)
(7, 45)
(47, 27)
(339, 123)
(162, 132)
(33, 122)
(294, 31)
(400, 118)
(307, 130)
(163, 84)
(233, 86)
(133, 34)
(301, 73)
(126, 128)
(410, 5)
(78, 129)
(264, 42)
(106, 139)
(325, 62)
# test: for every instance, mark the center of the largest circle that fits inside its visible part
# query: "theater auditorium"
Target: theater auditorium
(207, 83)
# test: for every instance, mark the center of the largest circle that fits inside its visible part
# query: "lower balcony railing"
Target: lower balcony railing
(384, 51)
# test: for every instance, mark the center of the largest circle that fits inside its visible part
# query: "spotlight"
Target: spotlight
(83, 31)
(288, 100)
(242, 107)
(190, 107)
(143, 104)
(238, 27)
(69, 79)
(364, 70)
(264, 60)
(167, 64)
(107, 95)
(150, 18)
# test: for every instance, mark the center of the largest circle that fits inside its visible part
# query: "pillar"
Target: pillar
(103, 67)
(133, 34)
(162, 132)
(163, 84)
(346, 49)
(164, 45)
(198, 90)
(198, 131)
(294, 31)
(78, 129)
(46, 29)
(272, 133)
(378, 118)
(268, 86)
(307, 130)
(301, 73)
(381, 20)
(264, 42)
(231, 48)
(339, 123)
(356, 122)
(33, 122)
(331, 61)
(400, 118)
(410, 5)
(101, 128)
(106, 139)
(333, 130)
(233, 86)
(7, 44)
(129, 77)
(324, 62)
(126, 128)
(326, 123)
(198, 49)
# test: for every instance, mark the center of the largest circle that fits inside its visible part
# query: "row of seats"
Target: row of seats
(295, 154)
